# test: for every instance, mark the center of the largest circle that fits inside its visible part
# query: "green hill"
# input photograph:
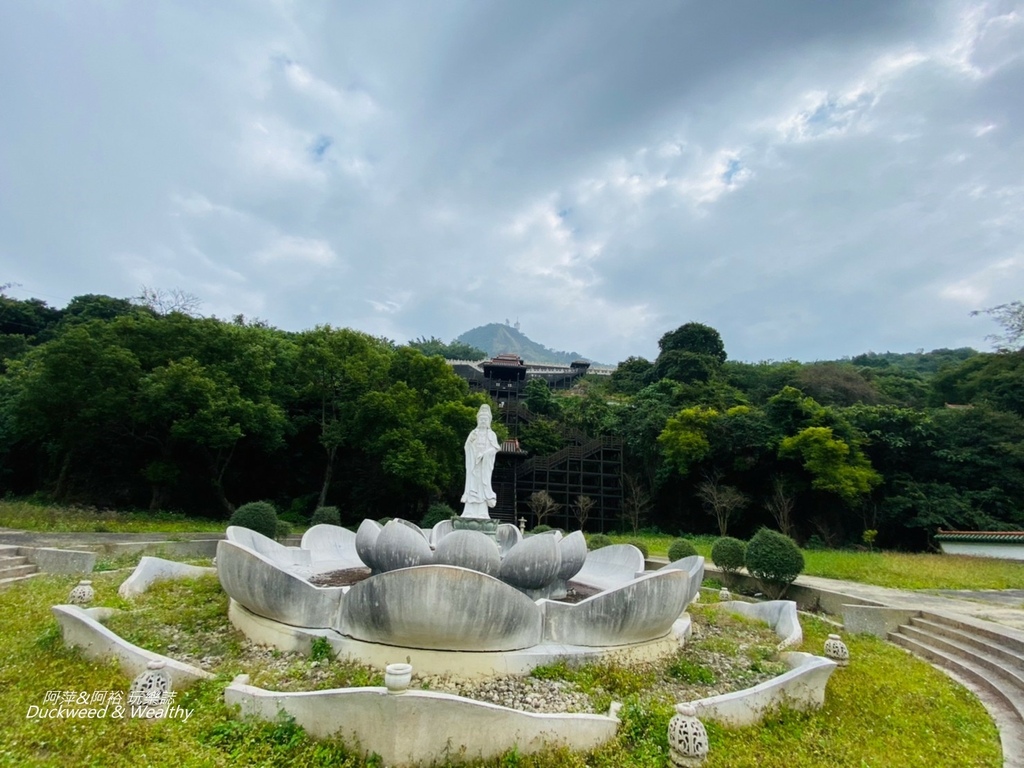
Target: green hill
(496, 338)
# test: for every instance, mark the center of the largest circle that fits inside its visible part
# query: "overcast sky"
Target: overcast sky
(813, 179)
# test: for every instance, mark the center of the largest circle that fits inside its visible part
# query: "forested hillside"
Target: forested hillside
(113, 404)
(496, 338)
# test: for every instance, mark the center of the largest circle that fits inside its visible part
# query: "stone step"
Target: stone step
(15, 579)
(1000, 693)
(13, 571)
(996, 635)
(6, 561)
(992, 657)
(9, 550)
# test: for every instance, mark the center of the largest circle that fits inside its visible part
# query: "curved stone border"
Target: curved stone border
(417, 727)
(781, 616)
(80, 629)
(802, 688)
(460, 664)
(153, 569)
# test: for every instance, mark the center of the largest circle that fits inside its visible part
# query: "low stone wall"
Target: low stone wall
(51, 560)
(81, 630)
(802, 688)
(875, 620)
(422, 727)
(806, 598)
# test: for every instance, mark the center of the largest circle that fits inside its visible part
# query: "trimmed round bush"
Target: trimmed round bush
(283, 530)
(541, 528)
(680, 548)
(436, 513)
(326, 516)
(774, 560)
(597, 541)
(259, 516)
(639, 545)
(729, 554)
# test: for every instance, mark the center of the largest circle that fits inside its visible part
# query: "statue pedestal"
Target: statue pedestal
(482, 524)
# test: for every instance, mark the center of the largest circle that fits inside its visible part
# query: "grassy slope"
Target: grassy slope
(886, 709)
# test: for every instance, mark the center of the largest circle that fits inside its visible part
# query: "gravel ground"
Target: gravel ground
(727, 654)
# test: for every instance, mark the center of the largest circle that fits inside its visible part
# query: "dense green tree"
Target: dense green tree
(453, 350)
(834, 465)
(539, 399)
(835, 384)
(996, 380)
(632, 375)
(72, 396)
(541, 437)
(336, 368)
(696, 338)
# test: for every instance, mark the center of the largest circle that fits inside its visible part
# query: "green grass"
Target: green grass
(916, 571)
(51, 518)
(900, 570)
(885, 709)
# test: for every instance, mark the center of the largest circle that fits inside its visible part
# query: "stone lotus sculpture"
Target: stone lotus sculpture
(538, 566)
(460, 596)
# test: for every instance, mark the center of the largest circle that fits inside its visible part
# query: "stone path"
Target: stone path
(1004, 607)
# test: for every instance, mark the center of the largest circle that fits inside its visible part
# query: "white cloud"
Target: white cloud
(297, 251)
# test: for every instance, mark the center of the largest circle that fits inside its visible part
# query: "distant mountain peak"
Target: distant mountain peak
(496, 338)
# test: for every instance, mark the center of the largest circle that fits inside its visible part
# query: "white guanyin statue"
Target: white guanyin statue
(481, 449)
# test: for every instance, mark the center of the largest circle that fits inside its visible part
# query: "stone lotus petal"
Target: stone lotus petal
(469, 549)
(610, 567)
(440, 530)
(508, 537)
(440, 607)
(574, 553)
(643, 609)
(693, 565)
(331, 547)
(400, 545)
(267, 589)
(533, 563)
(366, 542)
(413, 527)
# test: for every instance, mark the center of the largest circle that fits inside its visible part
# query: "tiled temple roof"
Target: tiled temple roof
(1007, 537)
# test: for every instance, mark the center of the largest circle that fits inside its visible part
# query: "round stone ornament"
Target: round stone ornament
(82, 594)
(836, 650)
(687, 737)
(151, 688)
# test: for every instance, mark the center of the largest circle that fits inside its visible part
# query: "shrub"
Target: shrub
(774, 560)
(680, 548)
(436, 513)
(259, 516)
(597, 541)
(325, 516)
(541, 528)
(641, 546)
(729, 554)
(282, 530)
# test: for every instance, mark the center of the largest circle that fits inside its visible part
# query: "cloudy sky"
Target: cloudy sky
(813, 179)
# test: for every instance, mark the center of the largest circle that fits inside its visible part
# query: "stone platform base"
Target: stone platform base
(457, 664)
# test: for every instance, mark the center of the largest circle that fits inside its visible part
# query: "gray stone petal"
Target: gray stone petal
(366, 542)
(440, 607)
(533, 563)
(469, 549)
(400, 546)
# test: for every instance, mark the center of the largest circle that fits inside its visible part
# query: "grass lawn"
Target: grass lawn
(900, 570)
(28, 516)
(886, 709)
